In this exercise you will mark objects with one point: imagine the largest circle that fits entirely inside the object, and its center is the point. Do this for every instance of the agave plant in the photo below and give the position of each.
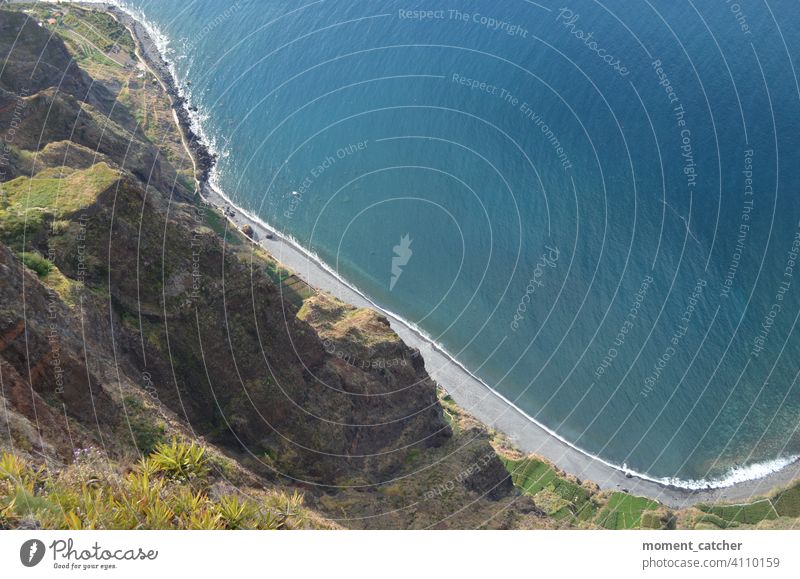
(12, 467)
(8, 516)
(158, 515)
(158, 493)
(141, 492)
(235, 513)
(290, 509)
(185, 501)
(72, 522)
(180, 460)
(205, 519)
(269, 521)
(18, 472)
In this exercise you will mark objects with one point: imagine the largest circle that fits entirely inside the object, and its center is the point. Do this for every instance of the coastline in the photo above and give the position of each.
(147, 50)
(468, 391)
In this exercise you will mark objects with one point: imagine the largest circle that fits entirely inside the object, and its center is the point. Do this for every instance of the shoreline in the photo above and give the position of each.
(472, 394)
(147, 51)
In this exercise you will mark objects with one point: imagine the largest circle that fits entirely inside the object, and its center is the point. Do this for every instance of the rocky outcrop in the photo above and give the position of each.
(42, 352)
(50, 116)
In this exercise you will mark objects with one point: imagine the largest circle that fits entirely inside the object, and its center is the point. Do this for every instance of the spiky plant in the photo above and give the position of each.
(205, 519)
(185, 501)
(235, 513)
(18, 472)
(290, 509)
(158, 515)
(269, 521)
(165, 490)
(180, 460)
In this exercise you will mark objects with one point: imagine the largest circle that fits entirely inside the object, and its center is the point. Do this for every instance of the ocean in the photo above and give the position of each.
(592, 206)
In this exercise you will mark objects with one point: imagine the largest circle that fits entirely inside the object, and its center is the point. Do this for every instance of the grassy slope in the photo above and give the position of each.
(31, 204)
(54, 192)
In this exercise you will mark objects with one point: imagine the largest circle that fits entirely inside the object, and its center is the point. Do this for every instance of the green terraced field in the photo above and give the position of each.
(563, 499)
(787, 503)
(748, 514)
(624, 511)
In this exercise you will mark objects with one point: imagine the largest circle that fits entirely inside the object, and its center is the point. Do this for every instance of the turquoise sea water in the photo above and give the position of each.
(599, 200)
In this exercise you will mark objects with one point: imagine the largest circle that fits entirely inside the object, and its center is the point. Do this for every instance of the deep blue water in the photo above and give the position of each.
(604, 173)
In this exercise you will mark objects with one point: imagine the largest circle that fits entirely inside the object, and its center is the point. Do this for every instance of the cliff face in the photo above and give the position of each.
(224, 348)
(36, 62)
(118, 285)
(46, 98)
(46, 380)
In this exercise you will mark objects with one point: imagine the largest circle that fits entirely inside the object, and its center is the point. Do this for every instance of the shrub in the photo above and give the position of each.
(147, 433)
(235, 513)
(36, 263)
(180, 460)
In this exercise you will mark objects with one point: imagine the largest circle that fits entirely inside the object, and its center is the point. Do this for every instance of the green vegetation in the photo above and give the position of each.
(100, 29)
(219, 225)
(411, 456)
(55, 193)
(105, 49)
(624, 511)
(530, 475)
(169, 489)
(92, 36)
(712, 522)
(787, 502)
(277, 272)
(179, 460)
(658, 519)
(748, 514)
(147, 433)
(36, 263)
(784, 503)
(450, 409)
(560, 497)
(62, 285)
(293, 289)
(565, 499)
